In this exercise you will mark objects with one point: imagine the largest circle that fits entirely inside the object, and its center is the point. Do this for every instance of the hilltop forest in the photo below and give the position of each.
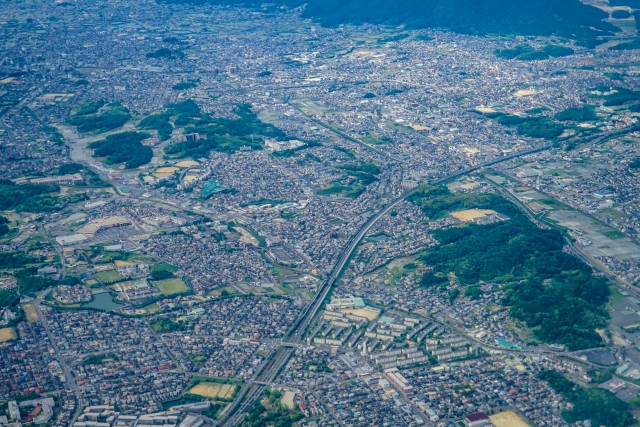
(567, 18)
(553, 292)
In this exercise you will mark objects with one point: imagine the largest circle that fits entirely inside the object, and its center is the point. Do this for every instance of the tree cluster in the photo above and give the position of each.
(189, 84)
(123, 147)
(30, 284)
(617, 95)
(598, 405)
(532, 126)
(5, 297)
(585, 113)
(161, 275)
(88, 108)
(158, 122)
(277, 415)
(113, 118)
(4, 225)
(164, 325)
(364, 172)
(166, 53)
(27, 197)
(14, 259)
(524, 52)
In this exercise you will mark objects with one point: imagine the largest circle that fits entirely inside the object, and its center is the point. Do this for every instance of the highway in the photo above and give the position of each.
(297, 332)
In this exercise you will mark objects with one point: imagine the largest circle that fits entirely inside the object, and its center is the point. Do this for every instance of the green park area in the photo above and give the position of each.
(108, 276)
(536, 126)
(271, 411)
(219, 134)
(164, 325)
(164, 267)
(171, 286)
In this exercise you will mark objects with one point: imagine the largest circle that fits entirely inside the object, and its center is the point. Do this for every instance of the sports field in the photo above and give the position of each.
(288, 399)
(108, 276)
(213, 390)
(508, 419)
(362, 312)
(525, 92)
(7, 334)
(170, 286)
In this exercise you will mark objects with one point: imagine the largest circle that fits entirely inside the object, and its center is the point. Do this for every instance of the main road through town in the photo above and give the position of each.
(253, 389)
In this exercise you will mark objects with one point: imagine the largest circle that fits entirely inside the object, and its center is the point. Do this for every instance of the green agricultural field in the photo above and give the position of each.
(109, 276)
(554, 204)
(171, 286)
(614, 234)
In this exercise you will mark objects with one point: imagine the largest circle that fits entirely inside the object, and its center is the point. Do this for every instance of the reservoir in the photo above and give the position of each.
(103, 301)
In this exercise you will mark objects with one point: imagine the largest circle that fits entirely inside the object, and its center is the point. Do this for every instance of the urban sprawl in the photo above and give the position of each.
(215, 215)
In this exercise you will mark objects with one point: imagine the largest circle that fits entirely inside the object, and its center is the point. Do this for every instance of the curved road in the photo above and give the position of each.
(298, 330)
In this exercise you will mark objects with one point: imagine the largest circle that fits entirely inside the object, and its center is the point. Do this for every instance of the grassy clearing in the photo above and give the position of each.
(109, 276)
(164, 267)
(171, 286)
(137, 258)
(152, 308)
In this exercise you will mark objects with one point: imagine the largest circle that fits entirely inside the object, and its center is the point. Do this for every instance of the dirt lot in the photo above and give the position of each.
(7, 334)
(206, 389)
(213, 390)
(471, 214)
(508, 419)
(30, 312)
(362, 312)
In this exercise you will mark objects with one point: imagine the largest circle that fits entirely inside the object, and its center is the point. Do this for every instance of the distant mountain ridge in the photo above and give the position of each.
(565, 18)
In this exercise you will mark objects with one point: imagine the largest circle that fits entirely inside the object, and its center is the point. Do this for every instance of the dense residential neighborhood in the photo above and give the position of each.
(225, 215)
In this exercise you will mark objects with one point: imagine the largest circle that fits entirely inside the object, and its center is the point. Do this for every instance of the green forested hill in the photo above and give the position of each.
(553, 292)
(567, 18)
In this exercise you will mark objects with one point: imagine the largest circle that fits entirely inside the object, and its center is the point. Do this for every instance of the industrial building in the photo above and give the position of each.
(101, 224)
